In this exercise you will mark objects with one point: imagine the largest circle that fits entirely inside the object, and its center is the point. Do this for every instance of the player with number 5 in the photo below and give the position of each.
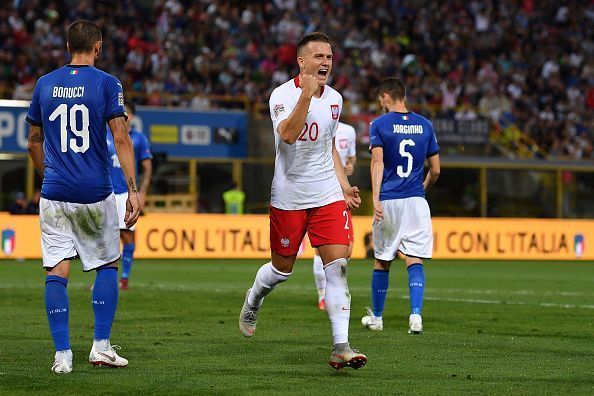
(78, 213)
(400, 142)
(310, 193)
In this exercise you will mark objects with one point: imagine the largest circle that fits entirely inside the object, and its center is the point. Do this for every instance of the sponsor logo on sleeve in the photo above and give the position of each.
(278, 109)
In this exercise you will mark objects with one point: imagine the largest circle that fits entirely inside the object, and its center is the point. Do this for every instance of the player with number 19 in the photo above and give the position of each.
(78, 213)
(400, 143)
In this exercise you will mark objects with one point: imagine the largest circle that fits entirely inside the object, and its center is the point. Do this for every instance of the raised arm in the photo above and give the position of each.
(290, 129)
(35, 147)
(125, 151)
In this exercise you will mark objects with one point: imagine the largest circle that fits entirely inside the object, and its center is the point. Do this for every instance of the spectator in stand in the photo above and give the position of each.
(19, 205)
(33, 204)
(532, 55)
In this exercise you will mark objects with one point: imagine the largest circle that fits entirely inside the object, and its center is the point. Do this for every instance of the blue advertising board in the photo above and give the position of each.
(176, 132)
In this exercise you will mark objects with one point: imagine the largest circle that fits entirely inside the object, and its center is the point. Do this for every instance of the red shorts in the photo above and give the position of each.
(326, 225)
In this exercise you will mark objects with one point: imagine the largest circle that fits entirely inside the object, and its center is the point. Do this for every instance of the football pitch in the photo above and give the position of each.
(491, 327)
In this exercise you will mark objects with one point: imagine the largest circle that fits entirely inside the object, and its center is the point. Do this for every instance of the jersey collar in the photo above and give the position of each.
(296, 81)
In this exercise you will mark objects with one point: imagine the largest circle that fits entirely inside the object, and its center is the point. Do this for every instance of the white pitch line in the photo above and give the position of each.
(499, 302)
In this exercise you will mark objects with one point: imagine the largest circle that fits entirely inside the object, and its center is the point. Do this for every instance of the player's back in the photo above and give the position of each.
(345, 141)
(407, 140)
(72, 104)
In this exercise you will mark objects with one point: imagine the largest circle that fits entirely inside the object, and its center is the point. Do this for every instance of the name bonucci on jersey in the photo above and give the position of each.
(304, 175)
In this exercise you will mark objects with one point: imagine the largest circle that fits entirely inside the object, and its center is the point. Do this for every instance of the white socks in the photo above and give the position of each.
(266, 279)
(338, 300)
(101, 345)
(65, 354)
(320, 276)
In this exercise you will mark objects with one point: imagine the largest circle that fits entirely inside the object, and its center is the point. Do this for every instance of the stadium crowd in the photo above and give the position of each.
(522, 63)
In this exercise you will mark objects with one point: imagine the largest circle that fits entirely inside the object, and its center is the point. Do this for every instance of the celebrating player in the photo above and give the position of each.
(78, 211)
(310, 193)
(346, 145)
(142, 154)
(401, 216)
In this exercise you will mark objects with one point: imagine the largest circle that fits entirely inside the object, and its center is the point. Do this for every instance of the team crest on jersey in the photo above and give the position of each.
(344, 144)
(335, 112)
(285, 242)
(278, 109)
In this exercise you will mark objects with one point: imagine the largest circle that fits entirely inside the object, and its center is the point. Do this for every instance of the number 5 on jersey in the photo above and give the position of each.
(68, 120)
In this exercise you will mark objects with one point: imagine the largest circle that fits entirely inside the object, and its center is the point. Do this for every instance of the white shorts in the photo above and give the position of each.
(121, 202)
(406, 227)
(89, 231)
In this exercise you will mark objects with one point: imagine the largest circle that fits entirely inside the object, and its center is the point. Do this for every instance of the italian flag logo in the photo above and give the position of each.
(405, 117)
(73, 72)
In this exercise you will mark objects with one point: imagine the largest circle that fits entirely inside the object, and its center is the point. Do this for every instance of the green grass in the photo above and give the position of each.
(490, 328)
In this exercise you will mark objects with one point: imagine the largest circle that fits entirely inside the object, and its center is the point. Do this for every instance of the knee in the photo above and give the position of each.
(382, 265)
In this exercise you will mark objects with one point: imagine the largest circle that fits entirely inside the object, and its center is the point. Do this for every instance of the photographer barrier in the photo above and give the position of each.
(169, 236)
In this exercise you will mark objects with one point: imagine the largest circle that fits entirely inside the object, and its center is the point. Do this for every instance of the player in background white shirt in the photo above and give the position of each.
(345, 142)
(310, 193)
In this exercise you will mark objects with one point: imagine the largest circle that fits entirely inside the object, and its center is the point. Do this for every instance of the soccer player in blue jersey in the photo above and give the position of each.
(142, 154)
(400, 142)
(78, 213)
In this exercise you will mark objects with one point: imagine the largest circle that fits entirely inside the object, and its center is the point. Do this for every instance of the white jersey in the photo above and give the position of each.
(304, 175)
(345, 141)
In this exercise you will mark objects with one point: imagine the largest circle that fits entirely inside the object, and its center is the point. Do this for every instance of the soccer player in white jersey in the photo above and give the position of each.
(310, 193)
(78, 213)
(346, 145)
(400, 143)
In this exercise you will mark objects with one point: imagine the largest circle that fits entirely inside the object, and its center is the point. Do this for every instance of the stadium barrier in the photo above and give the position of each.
(165, 236)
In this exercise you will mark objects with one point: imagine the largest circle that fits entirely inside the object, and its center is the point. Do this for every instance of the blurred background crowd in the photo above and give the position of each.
(524, 63)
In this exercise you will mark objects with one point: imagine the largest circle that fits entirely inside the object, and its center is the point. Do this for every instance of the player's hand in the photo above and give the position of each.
(352, 198)
(349, 168)
(378, 211)
(309, 85)
(132, 209)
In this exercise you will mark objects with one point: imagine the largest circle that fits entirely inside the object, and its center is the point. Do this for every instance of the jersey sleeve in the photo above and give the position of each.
(34, 114)
(375, 139)
(114, 99)
(336, 120)
(143, 150)
(432, 147)
(281, 107)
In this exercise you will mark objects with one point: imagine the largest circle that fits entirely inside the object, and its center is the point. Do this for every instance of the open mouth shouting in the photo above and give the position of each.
(323, 72)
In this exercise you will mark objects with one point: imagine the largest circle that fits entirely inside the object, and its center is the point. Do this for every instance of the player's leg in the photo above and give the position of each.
(320, 278)
(97, 240)
(417, 245)
(57, 309)
(128, 240)
(287, 229)
(386, 239)
(416, 287)
(327, 229)
(127, 237)
(57, 248)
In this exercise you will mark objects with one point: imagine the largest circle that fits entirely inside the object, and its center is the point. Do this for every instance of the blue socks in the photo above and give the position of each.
(105, 301)
(416, 285)
(56, 306)
(127, 257)
(379, 288)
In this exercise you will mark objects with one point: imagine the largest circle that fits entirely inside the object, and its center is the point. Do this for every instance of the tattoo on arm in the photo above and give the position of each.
(131, 185)
(36, 134)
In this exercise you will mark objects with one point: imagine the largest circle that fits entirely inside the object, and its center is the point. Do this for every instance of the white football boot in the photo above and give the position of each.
(107, 357)
(345, 356)
(62, 362)
(415, 324)
(372, 322)
(247, 318)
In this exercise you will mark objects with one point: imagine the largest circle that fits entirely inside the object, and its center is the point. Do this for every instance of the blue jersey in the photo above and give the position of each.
(72, 105)
(142, 151)
(407, 140)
